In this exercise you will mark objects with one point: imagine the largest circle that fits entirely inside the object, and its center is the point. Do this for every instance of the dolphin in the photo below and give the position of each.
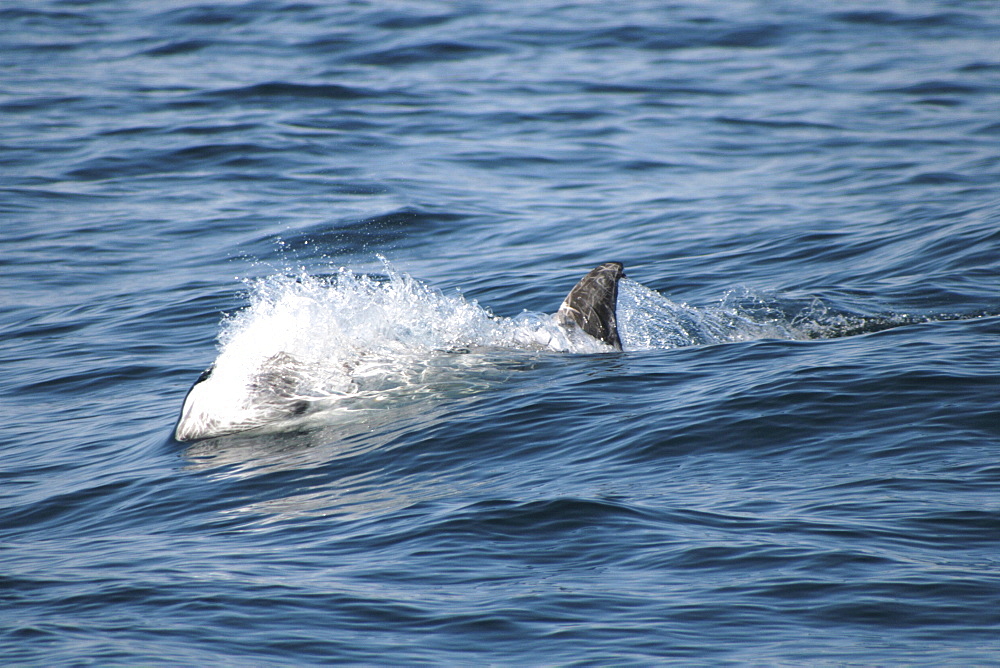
(590, 307)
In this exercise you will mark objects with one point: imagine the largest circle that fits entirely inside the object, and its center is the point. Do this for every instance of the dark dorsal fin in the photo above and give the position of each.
(592, 303)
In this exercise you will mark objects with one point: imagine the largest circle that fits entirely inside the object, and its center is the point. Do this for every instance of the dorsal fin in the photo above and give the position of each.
(592, 303)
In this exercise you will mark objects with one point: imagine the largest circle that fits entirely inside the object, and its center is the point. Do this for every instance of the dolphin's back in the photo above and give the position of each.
(592, 303)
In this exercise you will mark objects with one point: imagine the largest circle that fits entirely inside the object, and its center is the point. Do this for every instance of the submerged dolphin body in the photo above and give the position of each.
(590, 307)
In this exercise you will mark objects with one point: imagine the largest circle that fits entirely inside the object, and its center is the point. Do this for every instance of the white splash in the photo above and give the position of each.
(306, 341)
(648, 320)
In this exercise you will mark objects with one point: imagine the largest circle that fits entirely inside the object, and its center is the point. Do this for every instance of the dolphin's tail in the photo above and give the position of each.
(592, 303)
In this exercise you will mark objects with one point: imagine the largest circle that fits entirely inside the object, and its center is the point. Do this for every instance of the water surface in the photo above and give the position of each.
(793, 461)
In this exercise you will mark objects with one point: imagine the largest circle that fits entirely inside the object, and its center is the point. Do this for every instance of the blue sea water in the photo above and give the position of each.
(795, 460)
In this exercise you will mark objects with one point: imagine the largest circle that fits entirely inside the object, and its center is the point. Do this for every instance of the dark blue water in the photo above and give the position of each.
(795, 460)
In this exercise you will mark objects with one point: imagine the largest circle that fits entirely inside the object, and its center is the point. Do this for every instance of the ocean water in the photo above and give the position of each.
(795, 460)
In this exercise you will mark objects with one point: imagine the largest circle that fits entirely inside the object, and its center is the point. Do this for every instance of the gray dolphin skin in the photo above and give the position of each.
(592, 304)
